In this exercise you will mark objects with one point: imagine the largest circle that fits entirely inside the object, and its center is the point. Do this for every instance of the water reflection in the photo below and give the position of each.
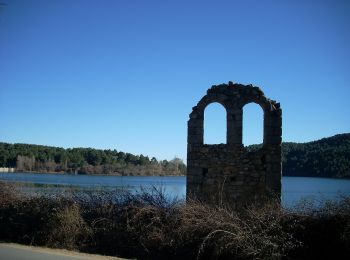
(293, 188)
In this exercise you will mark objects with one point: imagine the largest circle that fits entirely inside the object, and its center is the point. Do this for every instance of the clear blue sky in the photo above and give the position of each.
(125, 74)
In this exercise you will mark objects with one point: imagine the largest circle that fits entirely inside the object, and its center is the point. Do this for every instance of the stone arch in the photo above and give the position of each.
(205, 124)
(240, 175)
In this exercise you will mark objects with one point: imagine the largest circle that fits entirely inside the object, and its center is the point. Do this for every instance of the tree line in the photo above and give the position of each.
(327, 157)
(39, 158)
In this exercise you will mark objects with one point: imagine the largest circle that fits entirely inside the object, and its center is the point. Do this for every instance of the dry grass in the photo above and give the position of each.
(66, 228)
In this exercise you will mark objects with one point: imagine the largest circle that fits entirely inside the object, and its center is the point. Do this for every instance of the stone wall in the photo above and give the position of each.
(229, 173)
(5, 169)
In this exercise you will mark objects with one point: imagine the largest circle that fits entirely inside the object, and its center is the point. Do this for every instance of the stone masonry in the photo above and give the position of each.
(229, 173)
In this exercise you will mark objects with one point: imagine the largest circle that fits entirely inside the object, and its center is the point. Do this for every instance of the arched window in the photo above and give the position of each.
(215, 124)
(253, 124)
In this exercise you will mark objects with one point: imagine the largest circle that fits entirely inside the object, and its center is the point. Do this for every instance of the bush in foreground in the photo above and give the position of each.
(148, 225)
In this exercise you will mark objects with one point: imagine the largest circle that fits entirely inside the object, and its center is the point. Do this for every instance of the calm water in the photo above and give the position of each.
(293, 188)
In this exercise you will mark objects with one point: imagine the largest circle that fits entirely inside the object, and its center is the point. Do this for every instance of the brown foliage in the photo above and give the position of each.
(150, 226)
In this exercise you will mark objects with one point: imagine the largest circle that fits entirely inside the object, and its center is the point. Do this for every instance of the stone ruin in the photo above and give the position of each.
(230, 173)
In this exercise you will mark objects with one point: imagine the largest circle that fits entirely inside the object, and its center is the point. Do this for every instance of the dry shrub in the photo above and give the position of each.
(142, 219)
(197, 230)
(24, 220)
(150, 226)
(109, 232)
(66, 228)
(252, 233)
(323, 230)
(8, 193)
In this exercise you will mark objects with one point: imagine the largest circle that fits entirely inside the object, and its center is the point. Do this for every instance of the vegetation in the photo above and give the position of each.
(150, 226)
(328, 157)
(38, 158)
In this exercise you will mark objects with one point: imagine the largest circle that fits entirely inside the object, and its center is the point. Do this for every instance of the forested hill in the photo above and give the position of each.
(38, 158)
(327, 157)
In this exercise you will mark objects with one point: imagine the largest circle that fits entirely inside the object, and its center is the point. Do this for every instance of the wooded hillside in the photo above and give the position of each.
(29, 157)
(327, 157)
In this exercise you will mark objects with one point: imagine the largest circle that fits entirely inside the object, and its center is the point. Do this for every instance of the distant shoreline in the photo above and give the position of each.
(89, 174)
(327, 158)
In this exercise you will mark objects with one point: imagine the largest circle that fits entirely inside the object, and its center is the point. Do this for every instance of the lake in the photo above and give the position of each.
(293, 188)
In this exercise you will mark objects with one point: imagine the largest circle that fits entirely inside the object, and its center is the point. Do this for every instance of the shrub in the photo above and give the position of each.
(66, 228)
(148, 225)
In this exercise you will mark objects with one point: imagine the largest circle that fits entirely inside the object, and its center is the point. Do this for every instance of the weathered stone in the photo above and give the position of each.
(228, 172)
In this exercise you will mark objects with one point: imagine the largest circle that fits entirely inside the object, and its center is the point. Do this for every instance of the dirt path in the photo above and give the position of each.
(20, 252)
